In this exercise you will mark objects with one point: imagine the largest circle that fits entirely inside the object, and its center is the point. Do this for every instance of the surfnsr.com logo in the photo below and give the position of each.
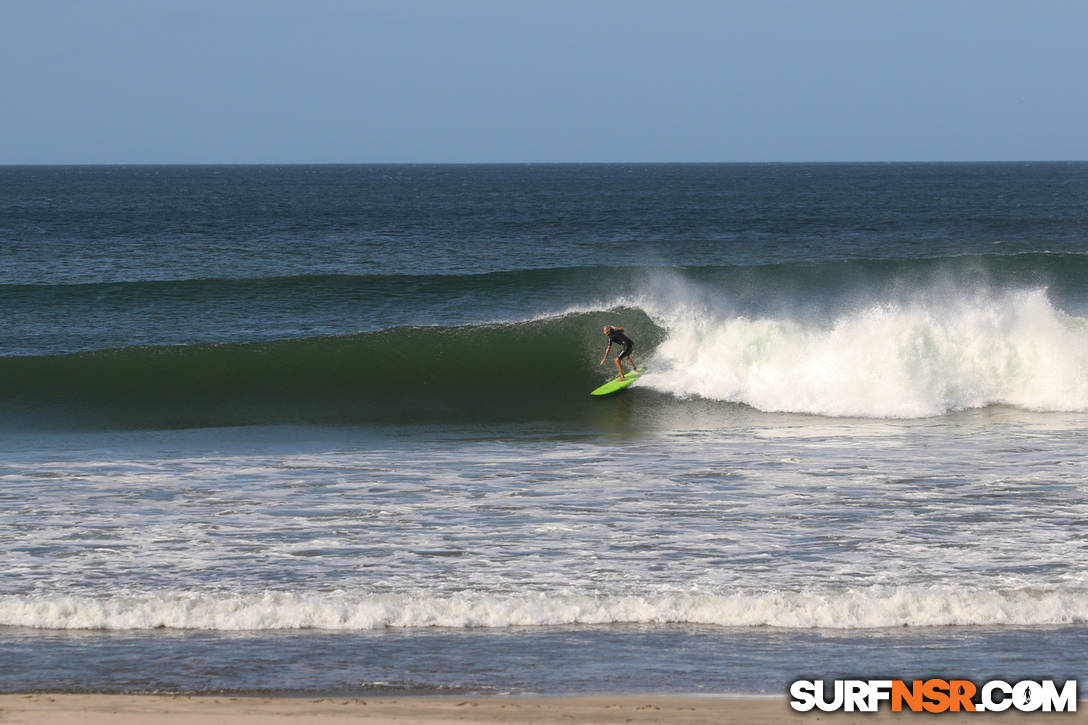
(934, 695)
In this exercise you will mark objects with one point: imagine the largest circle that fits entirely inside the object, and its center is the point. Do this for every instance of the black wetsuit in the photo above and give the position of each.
(617, 337)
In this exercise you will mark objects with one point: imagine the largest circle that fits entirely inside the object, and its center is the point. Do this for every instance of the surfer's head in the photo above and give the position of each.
(606, 329)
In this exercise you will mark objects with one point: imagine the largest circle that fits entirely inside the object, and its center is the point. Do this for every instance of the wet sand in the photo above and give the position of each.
(47, 709)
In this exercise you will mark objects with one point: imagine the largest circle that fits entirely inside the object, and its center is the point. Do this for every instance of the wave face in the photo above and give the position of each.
(496, 372)
(853, 608)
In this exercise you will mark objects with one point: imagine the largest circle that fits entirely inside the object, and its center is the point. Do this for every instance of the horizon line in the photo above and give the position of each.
(527, 163)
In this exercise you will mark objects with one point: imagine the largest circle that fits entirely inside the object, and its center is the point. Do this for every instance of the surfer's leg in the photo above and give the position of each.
(619, 366)
(626, 355)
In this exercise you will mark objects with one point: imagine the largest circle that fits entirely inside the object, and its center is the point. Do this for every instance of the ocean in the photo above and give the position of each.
(326, 429)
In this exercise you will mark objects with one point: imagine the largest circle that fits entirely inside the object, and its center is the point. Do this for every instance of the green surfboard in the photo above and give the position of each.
(615, 384)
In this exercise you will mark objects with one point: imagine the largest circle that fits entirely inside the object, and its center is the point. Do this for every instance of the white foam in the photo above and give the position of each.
(936, 353)
(850, 608)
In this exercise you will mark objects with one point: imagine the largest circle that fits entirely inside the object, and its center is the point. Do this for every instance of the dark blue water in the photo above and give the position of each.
(109, 224)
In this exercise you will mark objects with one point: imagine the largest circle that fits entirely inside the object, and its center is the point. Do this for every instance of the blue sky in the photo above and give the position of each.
(336, 81)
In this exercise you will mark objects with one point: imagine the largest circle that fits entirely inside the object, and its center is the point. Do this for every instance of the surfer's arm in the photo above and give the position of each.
(606, 351)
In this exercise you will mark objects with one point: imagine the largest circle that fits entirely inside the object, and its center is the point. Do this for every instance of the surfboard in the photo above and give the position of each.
(615, 385)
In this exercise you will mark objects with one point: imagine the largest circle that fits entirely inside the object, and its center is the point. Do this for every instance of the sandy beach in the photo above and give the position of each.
(46, 709)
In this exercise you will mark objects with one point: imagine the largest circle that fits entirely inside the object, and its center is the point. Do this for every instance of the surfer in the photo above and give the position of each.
(615, 334)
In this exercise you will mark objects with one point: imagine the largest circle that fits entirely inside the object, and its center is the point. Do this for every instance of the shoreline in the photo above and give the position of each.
(102, 709)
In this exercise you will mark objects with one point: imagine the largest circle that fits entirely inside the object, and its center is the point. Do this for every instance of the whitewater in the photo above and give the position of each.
(962, 519)
(875, 608)
(939, 352)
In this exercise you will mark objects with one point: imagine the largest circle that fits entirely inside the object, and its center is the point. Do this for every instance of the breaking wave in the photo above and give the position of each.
(863, 338)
